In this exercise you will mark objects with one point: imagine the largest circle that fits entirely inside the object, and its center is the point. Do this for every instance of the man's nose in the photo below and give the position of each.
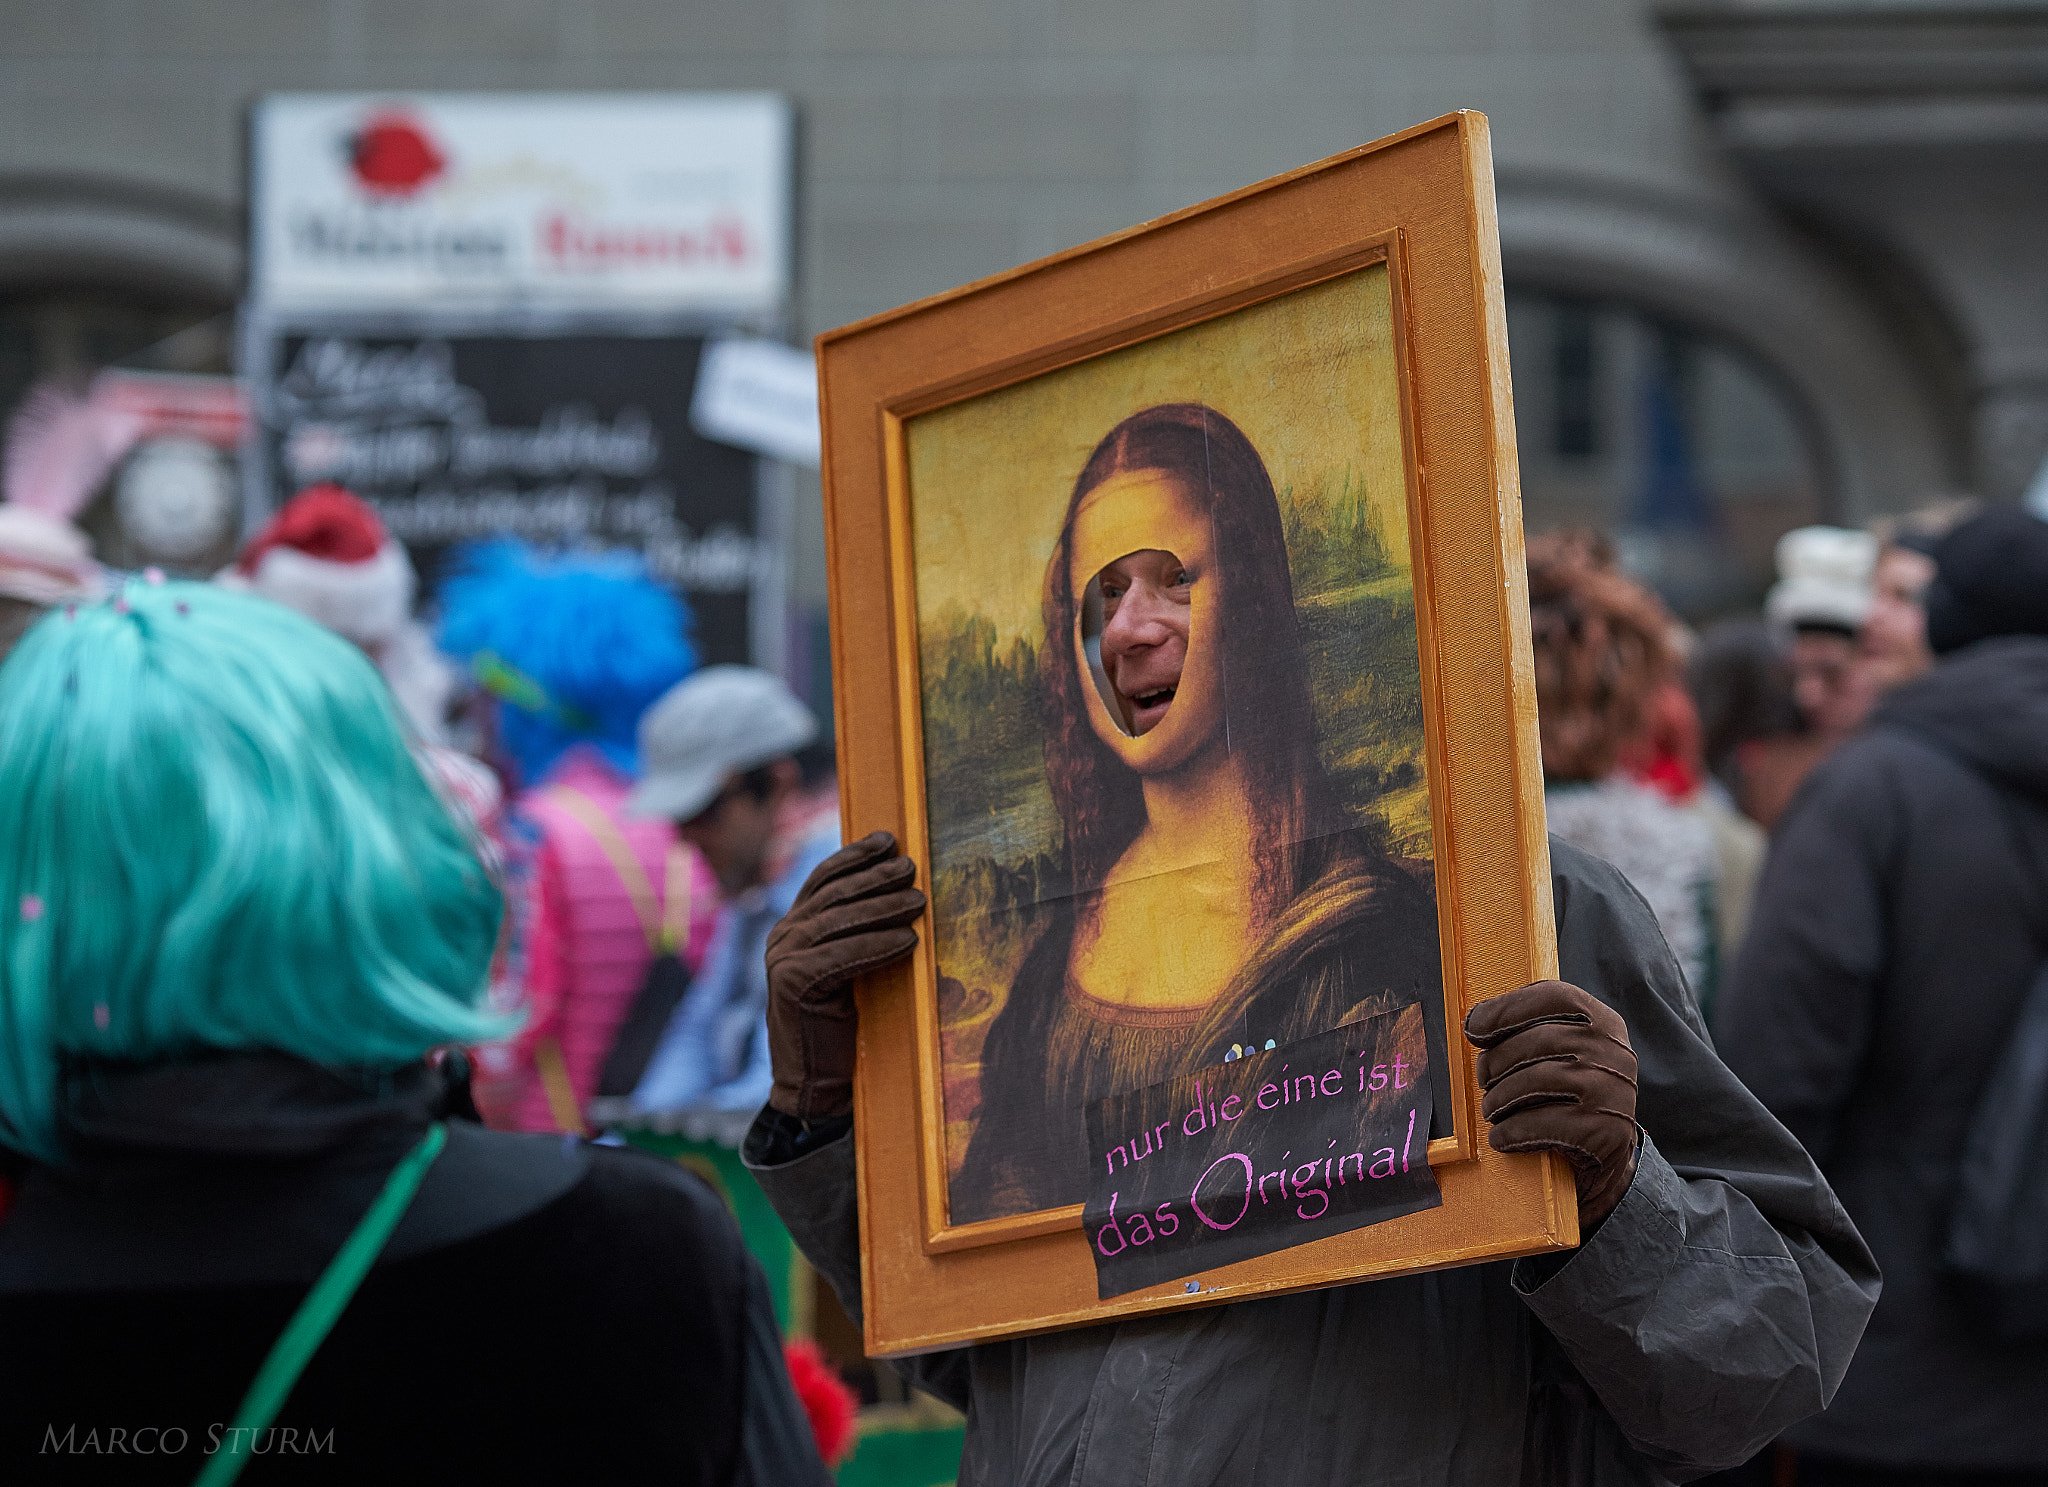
(1139, 620)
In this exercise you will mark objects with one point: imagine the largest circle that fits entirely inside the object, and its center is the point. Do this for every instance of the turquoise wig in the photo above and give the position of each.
(214, 836)
(574, 647)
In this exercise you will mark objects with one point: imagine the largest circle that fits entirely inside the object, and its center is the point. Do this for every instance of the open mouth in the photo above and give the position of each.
(1147, 708)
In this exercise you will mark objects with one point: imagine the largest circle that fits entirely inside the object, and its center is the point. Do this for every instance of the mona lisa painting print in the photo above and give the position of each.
(1178, 639)
(1175, 769)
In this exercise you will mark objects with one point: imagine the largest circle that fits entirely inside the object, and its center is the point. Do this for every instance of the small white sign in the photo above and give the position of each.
(760, 395)
(635, 201)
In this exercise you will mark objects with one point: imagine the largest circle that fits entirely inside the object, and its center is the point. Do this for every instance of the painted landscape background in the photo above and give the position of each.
(1311, 380)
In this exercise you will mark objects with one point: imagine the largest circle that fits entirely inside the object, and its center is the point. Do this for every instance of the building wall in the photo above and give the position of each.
(944, 139)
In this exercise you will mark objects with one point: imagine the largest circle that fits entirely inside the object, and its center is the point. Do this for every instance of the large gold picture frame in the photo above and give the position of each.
(1415, 212)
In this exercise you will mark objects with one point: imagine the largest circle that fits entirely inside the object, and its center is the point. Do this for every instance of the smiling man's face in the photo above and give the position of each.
(1142, 561)
(1145, 623)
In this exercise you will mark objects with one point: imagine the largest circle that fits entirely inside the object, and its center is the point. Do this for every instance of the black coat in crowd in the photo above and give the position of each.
(1899, 921)
(546, 1311)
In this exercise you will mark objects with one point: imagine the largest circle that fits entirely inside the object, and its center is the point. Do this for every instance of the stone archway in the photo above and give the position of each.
(65, 233)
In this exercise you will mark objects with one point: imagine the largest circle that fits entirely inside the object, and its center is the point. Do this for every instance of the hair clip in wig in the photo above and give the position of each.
(152, 575)
(508, 683)
(101, 1016)
(31, 907)
(121, 605)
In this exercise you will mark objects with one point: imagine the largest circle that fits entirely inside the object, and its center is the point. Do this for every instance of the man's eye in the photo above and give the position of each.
(1182, 578)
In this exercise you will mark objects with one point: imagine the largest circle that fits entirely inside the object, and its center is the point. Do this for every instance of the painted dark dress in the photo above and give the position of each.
(1362, 940)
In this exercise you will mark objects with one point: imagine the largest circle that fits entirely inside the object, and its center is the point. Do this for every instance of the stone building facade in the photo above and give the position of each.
(1767, 265)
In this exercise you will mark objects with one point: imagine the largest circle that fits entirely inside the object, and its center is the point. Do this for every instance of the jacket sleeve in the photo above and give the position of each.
(1795, 1021)
(1722, 1299)
(816, 1198)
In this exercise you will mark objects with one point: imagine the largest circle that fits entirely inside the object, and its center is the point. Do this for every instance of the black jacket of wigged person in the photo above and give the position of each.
(546, 1311)
(1900, 919)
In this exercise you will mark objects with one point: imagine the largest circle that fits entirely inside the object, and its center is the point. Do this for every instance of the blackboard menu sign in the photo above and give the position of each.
(567, 441)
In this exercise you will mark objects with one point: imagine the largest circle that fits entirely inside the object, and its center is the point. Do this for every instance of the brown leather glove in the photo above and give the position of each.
(1558, 1075)
(851, 915)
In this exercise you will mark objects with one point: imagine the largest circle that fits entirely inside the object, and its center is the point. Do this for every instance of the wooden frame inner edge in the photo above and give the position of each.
(939, 1234)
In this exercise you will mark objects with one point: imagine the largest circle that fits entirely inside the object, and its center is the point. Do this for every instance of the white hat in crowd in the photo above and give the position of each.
(1823, 579)
(723, 721)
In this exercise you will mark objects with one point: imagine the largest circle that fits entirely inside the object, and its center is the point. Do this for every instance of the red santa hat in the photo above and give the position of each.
(326, 555)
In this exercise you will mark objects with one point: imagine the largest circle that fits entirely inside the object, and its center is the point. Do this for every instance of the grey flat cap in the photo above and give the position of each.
(723, 721)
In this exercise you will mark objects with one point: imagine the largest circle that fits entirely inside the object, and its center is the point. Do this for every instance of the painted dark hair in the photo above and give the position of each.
(1270, 722)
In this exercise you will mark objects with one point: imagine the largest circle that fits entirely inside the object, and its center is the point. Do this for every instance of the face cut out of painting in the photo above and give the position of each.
(1137, 615)
(1142, 562)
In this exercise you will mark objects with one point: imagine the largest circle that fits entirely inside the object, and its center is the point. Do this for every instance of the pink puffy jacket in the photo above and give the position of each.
(586, 951)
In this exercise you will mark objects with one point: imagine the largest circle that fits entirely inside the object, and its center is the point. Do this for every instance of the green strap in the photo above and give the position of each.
(321, 1309)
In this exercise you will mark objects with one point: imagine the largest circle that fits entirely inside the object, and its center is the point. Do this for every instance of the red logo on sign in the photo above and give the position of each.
(392, 155)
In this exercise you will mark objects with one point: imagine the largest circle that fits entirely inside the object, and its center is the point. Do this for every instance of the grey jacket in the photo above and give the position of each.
(1717, 1304)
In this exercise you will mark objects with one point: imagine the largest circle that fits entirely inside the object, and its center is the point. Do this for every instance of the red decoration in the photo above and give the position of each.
(1668, 754)
(826, 1399)
(321, 521)
(393, 156)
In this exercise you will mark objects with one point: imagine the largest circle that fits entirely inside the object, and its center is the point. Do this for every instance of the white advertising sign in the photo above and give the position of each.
(759, 395)
(481, 201)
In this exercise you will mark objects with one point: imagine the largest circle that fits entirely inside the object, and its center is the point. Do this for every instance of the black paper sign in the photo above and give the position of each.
(1321, 1137)
(568, 441)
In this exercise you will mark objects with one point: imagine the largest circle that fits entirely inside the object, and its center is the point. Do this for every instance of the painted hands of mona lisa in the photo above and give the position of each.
(852, 914)
(1558, 1075)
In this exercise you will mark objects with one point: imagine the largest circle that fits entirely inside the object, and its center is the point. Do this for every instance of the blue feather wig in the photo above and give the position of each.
(575, 647)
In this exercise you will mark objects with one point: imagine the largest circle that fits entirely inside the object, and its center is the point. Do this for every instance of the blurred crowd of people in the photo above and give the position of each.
(631, 854)
(1836, 813)
(1672, 752)
(640, 822)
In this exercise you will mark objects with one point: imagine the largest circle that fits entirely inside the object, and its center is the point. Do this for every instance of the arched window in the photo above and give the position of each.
(1680, 445)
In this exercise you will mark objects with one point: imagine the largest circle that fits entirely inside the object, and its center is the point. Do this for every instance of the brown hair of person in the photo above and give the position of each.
(1603, 647)
(1268, 715)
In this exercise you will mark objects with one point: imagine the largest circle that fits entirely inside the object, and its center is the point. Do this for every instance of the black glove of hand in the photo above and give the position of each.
(1558, 1075)
(852, 914)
